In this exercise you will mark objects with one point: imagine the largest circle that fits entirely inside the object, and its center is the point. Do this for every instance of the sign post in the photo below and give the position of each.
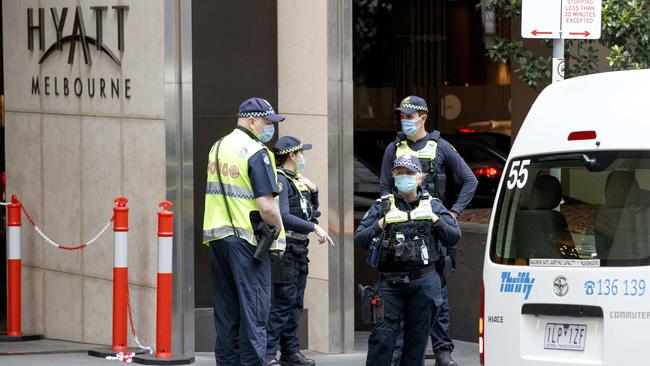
(560, 20)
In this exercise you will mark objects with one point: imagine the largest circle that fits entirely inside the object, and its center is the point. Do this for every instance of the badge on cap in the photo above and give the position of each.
(406, 100)
(406, 157)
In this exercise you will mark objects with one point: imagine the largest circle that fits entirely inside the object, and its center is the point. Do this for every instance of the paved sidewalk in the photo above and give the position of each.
(61, 353)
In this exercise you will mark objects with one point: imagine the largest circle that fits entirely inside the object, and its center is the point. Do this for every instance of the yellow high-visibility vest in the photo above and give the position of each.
(422, 212)
(427, 152)
(234, 152)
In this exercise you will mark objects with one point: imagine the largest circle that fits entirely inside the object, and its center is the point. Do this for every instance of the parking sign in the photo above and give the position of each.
(569, 19)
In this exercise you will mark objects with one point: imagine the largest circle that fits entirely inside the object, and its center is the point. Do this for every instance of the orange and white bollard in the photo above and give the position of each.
(13, 267)
(163, 354)
(120, 273)
(120, 282)
(14, 332)
(164, 292)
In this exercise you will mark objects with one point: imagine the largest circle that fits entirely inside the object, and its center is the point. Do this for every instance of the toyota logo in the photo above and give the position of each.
(560, 286)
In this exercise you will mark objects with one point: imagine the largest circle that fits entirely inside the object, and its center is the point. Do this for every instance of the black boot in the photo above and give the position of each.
(443, 358)
(271, 361)
(296, 359)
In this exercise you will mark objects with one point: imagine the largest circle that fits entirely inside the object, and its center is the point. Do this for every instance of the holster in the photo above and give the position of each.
(445, 266)
(265, 236)
(297, 250)
(283, 270)
(437, 188)
(372, 306)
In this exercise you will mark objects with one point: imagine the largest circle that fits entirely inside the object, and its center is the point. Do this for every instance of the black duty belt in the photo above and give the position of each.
(406, 277)
(296, 236)
(298, 250)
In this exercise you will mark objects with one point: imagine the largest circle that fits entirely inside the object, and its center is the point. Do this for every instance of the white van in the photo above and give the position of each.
(566, 277)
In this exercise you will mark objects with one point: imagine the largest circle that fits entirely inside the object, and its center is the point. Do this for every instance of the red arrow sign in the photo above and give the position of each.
(585, 33)
(536, 32)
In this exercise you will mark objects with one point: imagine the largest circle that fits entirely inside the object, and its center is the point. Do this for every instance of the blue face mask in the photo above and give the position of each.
(409, 126)
(267, 134)
(405, 183)
(300, 165)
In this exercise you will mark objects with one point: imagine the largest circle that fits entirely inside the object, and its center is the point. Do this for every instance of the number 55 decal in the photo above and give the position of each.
(518, 174)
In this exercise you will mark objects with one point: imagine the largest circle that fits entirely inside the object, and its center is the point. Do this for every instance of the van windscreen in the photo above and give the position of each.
(591, 205)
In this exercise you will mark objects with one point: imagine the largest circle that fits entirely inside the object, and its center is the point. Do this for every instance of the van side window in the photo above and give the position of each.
(569, 209)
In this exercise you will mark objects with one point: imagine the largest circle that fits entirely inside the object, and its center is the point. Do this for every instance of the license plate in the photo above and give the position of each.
(565, 336)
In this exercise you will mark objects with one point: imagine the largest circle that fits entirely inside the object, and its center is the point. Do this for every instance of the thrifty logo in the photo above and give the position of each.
(522, 283)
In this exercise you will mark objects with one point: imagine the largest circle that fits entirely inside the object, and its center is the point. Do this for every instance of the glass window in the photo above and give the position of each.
(364, 174)
(592, 205)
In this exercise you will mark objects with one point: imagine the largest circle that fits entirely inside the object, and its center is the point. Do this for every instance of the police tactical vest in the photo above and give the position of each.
(413, 231)
(234, 152)
(299, 204)
(422, 212)
(428, 152)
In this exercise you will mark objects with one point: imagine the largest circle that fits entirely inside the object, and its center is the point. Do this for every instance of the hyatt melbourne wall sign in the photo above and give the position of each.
(42, 21)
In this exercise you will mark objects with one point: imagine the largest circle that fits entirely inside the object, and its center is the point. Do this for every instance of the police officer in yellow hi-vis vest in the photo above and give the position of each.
(403, 232)
(242, 227)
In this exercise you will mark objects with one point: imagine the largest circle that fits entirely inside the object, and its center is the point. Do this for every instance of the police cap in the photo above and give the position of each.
(258, 107)
(289, 144)
(412, 104)
(409, 162)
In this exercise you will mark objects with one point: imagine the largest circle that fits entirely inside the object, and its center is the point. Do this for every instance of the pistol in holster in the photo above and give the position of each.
(372, 306)
(446, 265)
(438, 181)
(265, 236)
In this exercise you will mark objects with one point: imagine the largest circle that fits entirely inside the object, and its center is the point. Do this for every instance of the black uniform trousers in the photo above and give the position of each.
(415, 303)
(287, 303)
(241, 293)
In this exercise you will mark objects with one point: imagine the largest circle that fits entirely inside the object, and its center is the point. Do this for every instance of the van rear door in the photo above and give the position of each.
(568, 263)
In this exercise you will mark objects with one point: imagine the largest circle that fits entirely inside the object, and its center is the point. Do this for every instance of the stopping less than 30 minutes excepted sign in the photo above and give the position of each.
(569, 19)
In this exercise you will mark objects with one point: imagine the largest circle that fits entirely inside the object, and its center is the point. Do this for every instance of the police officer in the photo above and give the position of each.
(299, 210)
(240, 212)
(436, 156)
(402, 231)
